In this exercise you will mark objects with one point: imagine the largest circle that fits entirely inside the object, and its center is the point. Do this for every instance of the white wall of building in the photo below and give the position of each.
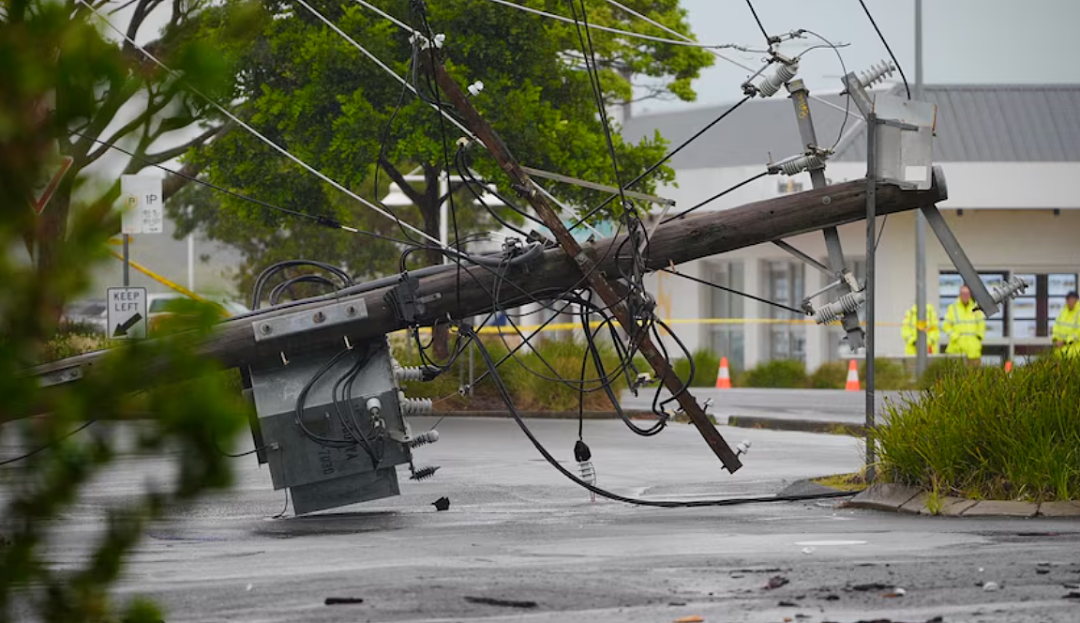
(1014, 229)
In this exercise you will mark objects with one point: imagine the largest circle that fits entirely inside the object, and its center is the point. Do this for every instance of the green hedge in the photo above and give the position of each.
(522, 376)
(778, 373)
(985, 433)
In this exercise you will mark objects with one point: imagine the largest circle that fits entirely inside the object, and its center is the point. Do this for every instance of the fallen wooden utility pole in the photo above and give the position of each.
(237, 341)
(586, 264)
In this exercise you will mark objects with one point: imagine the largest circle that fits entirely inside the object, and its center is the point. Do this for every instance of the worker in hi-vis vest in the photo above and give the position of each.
(910, 332)
(965, 325)
(1067, 327)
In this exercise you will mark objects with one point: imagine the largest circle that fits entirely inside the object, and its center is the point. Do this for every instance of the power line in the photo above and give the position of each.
(718, 55)
(888, 49)
(378, 62)
(764, 33)
(46, 446)
(717, 196)
(671, 154)
(734, 291)
(843, 68)
(627, 33)
(325, 221)
(253, 131)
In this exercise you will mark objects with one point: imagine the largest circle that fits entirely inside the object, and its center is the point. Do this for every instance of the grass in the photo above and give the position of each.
(982, 433)
(855, 481)
(530, 392)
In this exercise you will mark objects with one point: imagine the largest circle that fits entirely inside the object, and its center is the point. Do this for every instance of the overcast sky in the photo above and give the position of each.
(964, 41)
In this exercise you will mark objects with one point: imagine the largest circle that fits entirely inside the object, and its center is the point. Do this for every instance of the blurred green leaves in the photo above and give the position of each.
(49, 61)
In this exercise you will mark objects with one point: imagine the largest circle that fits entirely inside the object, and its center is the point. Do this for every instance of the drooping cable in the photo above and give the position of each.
(326, 221)
(671, 154)
(625, 33)
(734, 291)
(281, 150)
(843, 69)
(508, 400)
(45, 447)
(716, 196)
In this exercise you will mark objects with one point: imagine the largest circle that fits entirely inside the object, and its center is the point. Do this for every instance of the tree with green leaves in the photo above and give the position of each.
(313, 92)
(190, 420)
(135, 103)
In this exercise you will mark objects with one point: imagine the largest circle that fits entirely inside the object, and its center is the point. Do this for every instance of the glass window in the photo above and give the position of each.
(727, 339)
(785, 283)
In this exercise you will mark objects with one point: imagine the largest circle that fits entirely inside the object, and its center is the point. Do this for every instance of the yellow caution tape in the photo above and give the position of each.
(158, 278)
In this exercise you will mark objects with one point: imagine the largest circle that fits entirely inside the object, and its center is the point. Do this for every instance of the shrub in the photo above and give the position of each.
(778, 373)
(985, 433)
(523, 376)
(888, 374)
(830, 375)
(941, 368)
(706, 368)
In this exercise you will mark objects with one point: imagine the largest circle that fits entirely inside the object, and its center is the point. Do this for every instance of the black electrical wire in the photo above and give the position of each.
(843, 69)
(888, 49)
(269, 272)
(716, 196)
(671, 154)
(46, 446)
(736, 292)
(598, 93)
(764, 33)
(508, 400)
(325, 221)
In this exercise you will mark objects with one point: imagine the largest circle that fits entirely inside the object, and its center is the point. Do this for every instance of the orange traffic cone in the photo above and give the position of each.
(723, 376)
(1008, 367)
(852, 377)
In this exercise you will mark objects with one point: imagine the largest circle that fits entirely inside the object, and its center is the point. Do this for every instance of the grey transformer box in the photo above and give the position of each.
(330, 424)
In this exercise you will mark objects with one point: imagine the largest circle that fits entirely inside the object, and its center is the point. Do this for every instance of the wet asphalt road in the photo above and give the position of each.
(518, 532)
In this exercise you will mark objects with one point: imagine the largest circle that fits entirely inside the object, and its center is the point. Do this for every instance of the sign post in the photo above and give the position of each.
(144, 211)
(127, 313)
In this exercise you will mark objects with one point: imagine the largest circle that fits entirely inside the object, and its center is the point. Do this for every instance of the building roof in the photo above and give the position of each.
(976, 123)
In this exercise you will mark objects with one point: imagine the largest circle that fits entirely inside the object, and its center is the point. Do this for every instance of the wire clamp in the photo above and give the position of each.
(402, 299)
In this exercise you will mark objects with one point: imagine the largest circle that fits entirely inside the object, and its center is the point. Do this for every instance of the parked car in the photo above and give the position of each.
(90, 314)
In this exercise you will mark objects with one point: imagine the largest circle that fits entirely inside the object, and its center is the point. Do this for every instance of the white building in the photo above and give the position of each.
(1011, 155)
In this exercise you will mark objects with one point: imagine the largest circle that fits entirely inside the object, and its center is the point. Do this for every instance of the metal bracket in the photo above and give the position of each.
(300, 322)
(960, 260)
(59, 377)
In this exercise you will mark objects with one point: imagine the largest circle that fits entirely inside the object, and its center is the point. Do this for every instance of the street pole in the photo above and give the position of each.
(191, 262)
(920, 226)
(871, 247)
(127, 261)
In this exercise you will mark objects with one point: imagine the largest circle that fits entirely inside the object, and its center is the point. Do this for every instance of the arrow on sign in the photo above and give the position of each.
(122, 329)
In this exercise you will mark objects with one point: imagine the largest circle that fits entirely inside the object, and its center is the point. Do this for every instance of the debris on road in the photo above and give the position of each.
(991, 586)
(690, 619)
(896, 592)
(870, 586)
(808, 550)
(1072, 595)
(441, 504)
(339, 601)
(506, 603)
(776, 581)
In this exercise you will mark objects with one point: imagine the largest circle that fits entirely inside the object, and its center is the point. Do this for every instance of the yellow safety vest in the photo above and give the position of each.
(966, 327)
(1067, 327)
(910, 331)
